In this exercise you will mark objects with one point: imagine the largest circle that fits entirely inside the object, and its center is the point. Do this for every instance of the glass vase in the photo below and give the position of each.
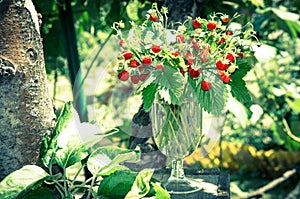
(177, 130)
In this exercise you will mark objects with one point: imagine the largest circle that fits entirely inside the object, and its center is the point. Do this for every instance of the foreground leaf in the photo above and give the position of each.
(21, 181)
(141, 184)
(106, 160)
(71, 139)
(40, 193)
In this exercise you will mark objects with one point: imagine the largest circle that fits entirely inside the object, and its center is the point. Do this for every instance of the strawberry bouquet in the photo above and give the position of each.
(180, 71)
(209, 55)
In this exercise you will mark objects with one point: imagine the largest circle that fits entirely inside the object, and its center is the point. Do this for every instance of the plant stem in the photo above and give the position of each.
(91, 187)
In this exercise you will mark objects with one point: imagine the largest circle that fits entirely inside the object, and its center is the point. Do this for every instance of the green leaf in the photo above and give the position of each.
(117, 185)
(40, 193)
(160, 192)
(106, 160)
(21, 181)
(71, 139)
(141, 185)
(170, 85)
(213, 101)
(148, 96)
(238, 87)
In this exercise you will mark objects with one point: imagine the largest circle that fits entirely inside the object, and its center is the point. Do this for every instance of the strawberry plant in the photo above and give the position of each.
(198, 49)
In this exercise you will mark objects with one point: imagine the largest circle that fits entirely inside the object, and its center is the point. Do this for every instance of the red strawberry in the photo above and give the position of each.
(196, 23)
(160, 67)
(175, 54)
(194, 73)
(222, 40)
(180, 38)
(206, 85)
(225, 78)
(153, 16)
(240, 55)
(189, 55)
(121, 42)
(127, 54)
(141, 69)
(143, 76)
(124, 75)
(147, 61)
(229, 33)
(211, 25)
(230, 57)
(182, 71)
(204, 56)
(135, 79)
(134, 63)
(225, 18)
(221, 66)
(155, 48)
(196, 45)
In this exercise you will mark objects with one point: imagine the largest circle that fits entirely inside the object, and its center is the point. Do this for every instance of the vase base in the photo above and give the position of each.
(182, 186)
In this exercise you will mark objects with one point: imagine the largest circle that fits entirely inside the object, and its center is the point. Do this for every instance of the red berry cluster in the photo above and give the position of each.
(200, 48)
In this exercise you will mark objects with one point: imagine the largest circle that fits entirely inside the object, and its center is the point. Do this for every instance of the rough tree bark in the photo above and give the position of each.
(26, 111)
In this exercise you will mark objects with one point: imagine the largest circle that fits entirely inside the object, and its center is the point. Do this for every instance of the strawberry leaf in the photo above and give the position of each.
(213, 101)
(239, 89)
(148, 96)
(170, 85)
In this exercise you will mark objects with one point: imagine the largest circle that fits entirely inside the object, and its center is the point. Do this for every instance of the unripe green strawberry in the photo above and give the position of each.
(206, 85)
(155, 48)
(124, 75)
(147, 61)
(232, 68)
(134, 63)
(211, 25)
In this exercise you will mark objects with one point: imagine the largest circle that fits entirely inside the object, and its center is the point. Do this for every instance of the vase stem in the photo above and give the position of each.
(177, 172)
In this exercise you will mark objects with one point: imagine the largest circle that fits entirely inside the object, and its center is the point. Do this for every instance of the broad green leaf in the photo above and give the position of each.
(106, 160)
(213, 101)
(71, 139)
(141, 184)
(148, 96)
(21, 181)
(117, 185)
(170, 85)
(40, 193)
(160, 192)
(239, 89)
(287, 21)
(152, 77)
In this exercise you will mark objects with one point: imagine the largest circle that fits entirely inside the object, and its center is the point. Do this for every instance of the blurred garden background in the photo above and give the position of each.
(259, 141)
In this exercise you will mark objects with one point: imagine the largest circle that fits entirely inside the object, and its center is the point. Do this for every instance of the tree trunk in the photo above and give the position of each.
(26, 111)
